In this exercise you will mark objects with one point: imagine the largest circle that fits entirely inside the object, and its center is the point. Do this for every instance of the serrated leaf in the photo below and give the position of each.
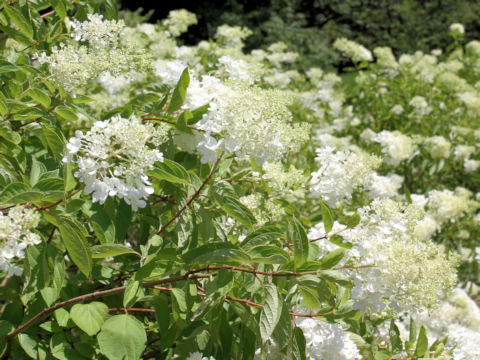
(215, 293)
(422, 343)
(271, 312)
(298, 345)
(395, 339)
(73, 236)
(353, 221)
(268, 255)
(327, 217)
(59, 7)
(40, 96)
(261, 236)
(170, 171)
(66, 113)
(283, 330)
(89, 317)
(110, 250)
(19, 193)
(332, 258)
(298, 237)
(20, 20)
(180, 92)
(236, 210)
(122, 337)
(216, 253)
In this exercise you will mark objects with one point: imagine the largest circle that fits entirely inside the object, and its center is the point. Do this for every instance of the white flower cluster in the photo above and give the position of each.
(15, 236)
(199, 356)
(113, 158)
(282, 181)
(327, 341)
(396, 146)
(457, 317)
(352, 50)
(402, 271)
(97, 32)
(457, 28)
(448, 205)
(251, 122)
(438, 147)
(178, 21)
(384, 186)
(340, 173)
(73, 65)
(232, 36)
(264, 210)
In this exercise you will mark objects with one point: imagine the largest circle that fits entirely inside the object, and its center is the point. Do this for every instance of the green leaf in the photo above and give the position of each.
(122, 337)
(40, 96)
(74, 237)
(268, 255)
(66, 113)
(133, 293)
(170, 171)
(298, 237)
(261, 236)
(180, 92)
(182, 121)
(299, 344)
(336, 276)
(332, 258)
(19, 193)
(271, 312)
(111, 9)
(54, 140)
(20, 20)
(215, 293)
(110, 250)
(89, 317)
(216, 253)
(353, 221)
(395, 339)
(383, 354)
(422, 343)
(283, 330)
(59, 7)
(6, 66)
(327, 217)
(236, 210)
(29, 345)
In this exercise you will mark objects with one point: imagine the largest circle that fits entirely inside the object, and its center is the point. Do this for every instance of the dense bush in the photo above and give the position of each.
(198, 202)
(309, 27)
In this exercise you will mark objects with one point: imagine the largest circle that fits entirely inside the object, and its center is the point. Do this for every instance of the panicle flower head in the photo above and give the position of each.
(178, 21)
(252, 123)
(384, 186)
(385, 58)
(99, 33)
(282, 181)
(74, 65)
(232, 36)
(340, 173)
(447, 205)
(457, 28)
(15, 236)
(406, 273)
(113, 158)
(396, 146)
(327, 341)
(438, 147)
(352, 50)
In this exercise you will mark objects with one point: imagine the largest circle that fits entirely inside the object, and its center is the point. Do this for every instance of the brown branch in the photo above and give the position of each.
(131, 309)
(58, 202)
(191, 199)
(95, 295)
(326, 236)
